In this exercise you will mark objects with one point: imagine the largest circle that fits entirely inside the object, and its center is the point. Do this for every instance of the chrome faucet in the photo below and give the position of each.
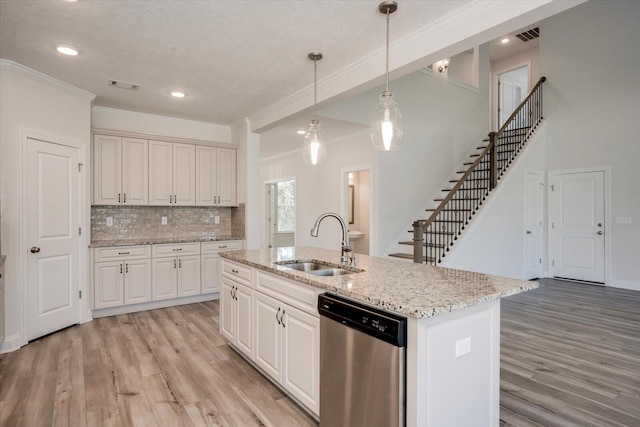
(345, 259)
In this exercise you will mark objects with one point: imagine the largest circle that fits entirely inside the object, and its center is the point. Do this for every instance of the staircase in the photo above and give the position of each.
(433, 237)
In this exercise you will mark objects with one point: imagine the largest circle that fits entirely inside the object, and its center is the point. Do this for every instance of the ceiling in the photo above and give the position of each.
(231, 58)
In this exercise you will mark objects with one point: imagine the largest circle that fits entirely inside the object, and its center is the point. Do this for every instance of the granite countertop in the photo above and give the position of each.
(409, 289)
(158, 240)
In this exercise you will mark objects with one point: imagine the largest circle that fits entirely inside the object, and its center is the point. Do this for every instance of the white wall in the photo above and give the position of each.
(592, 101)
(248, 183)
(130, 121)
(320, 188)
(31, 102)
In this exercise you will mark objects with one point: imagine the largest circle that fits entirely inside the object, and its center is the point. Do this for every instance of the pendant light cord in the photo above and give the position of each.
(387, 50)
(315, 88)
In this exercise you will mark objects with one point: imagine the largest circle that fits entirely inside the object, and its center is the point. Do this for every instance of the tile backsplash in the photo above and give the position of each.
(145, 222)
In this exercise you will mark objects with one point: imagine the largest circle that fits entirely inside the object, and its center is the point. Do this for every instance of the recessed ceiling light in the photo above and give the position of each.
(301, 132)
(177, 94)
(505, 40)
(67, 50)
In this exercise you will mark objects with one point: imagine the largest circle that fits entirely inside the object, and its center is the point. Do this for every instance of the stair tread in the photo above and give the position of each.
(407, 256)
(431, 245)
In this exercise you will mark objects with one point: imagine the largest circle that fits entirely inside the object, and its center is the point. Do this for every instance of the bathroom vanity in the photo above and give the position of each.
(453, 326)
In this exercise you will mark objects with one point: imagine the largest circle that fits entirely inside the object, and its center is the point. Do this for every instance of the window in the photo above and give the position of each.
(286, 203)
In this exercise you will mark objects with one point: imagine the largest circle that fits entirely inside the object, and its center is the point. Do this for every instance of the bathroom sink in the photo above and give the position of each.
(317, 268)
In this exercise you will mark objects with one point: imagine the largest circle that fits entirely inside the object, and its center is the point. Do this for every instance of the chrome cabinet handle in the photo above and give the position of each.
(118, 197)
(125, 198)
(222, 247)
(120, 268)
(278, 320)
(35, 249)
(174, 263)
(233, 270)
(180, 263)
(282, 319)
(177, 249)
(123, 253)
(126, 268)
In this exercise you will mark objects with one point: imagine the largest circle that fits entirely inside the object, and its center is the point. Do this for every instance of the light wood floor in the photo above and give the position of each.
(570, 356)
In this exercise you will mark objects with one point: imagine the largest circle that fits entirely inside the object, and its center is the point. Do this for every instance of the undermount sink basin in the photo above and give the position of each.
(317, 268)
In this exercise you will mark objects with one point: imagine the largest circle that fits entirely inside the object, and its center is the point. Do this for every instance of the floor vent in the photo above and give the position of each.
(531, 34)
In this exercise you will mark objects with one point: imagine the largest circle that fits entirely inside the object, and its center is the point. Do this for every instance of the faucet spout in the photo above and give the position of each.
(345, 258)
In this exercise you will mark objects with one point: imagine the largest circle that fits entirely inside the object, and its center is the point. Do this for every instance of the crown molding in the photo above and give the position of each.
(474, 24)
(43, 78)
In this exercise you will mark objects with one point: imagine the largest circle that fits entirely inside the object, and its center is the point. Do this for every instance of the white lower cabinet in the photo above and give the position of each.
(210, 263)
(176, 277)
(121, 276)
(287, 348)
(236, 315)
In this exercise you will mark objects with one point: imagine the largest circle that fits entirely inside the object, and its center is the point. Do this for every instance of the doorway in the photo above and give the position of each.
(533, 213)
(281, 213)
(577, 233)
(53, 237)
(513, 86)
(358, 210)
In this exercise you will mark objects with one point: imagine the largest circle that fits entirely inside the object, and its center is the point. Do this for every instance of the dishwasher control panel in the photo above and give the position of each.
(386, 326)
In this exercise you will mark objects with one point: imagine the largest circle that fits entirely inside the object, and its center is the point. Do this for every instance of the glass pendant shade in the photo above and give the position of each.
(387, 129)
(314, 149)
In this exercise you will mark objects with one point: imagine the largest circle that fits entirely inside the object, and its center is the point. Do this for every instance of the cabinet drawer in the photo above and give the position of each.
(175, 249)
(238, 272)
(227, 245)
(296, 294)
(122, 252)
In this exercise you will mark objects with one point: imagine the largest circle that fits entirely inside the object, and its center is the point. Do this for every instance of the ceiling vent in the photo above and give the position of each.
(531, 34)
(124, 85)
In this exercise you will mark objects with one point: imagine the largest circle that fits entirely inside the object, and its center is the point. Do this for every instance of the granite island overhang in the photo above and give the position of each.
(443, 306)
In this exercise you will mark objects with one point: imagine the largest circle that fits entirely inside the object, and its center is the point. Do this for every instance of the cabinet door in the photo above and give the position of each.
(160, 173)
(107, 170)
(244, 320)
(227, 309)
(206, 176)
(165, 278)
(227, 176)
(189, 276)
(137, 281)
(108, 284)
(268, 332)
(301, 356)
(135, 173)
(210, 270)
(184, 174)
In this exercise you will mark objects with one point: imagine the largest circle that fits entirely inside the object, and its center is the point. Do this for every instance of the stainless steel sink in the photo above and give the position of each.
(317, 268)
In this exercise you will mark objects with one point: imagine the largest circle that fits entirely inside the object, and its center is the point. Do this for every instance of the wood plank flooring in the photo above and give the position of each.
(570, 356)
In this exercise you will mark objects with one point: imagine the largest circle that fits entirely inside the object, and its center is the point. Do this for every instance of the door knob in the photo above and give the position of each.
(600, 233)
(599, 224)
(528, 231)
(35, 249)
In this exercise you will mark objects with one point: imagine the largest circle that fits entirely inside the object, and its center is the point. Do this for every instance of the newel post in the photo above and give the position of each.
(418, 242)
(493, 160)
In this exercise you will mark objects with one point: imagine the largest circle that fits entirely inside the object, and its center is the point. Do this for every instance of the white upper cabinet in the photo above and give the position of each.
(172, 174)
(120, 171)
(215, 176)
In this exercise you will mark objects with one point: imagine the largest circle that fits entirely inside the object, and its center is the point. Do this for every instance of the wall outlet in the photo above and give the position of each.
(463, 347)
(216, 219)
(109, 221)
(164, 220)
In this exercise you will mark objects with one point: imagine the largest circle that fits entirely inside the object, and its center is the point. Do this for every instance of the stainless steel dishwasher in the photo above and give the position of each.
(362, 365)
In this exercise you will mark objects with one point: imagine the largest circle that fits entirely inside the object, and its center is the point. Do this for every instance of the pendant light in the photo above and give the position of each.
(314, 148)
(386, 127)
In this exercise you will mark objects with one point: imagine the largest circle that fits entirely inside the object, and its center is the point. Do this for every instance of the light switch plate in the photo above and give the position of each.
(164, 220)
(463, 347)
(216, 219)
(109, 221)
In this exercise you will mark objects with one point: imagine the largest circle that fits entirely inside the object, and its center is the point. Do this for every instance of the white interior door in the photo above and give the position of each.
(533, 224)
(577, 225)
(52, 236)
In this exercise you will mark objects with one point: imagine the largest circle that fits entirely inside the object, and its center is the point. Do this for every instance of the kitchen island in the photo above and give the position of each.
(453, 327)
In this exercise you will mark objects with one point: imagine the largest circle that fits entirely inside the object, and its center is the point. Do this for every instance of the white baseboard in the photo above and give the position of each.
(11, 343)
(624, 284)
(123, 309)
